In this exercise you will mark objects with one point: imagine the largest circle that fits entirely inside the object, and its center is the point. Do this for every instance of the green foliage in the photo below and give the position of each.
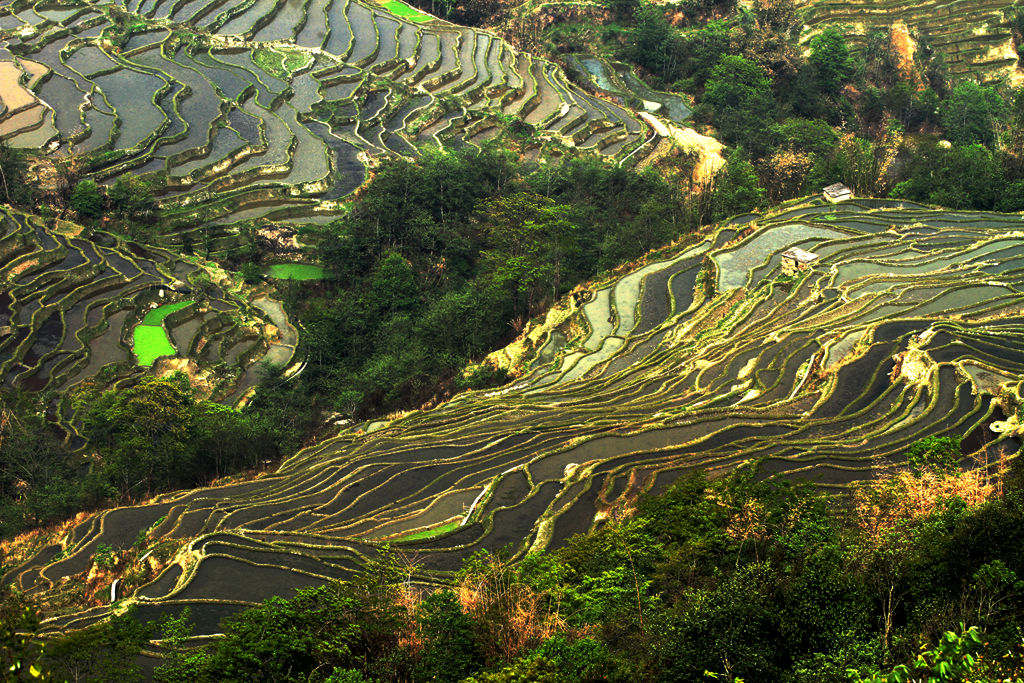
(482, 376)
(132, 199)
(970, 113)
(952, 659)
(959, 177)
(738, 101)
(737, 189)
(14, 184)
(251, 272)
(179, 661)
(281, 64)
(104, 556)
(20, 654)
(653, 44)
(938, 453)
(148, 437)
(831, 60)
(105, 652)
(38, 483)
(811, 136)
(623, 9)
(342, 631)
(443, 260)
(450, 651)
(87, 200)
(155, 435)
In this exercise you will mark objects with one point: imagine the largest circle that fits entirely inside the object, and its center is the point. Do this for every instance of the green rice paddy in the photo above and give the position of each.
(150, 342)
(157, 315)
(295, 271)
(403, 10)
(430, 533)
(149, 339)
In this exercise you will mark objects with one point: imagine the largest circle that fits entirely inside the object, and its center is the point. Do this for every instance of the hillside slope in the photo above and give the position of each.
(971, 37)
(87, 306)
(908, 325)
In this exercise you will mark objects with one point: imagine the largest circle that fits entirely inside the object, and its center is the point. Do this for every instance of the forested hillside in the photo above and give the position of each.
(356, 340)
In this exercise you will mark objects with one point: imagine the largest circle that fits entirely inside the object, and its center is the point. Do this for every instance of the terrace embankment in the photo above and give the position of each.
(907, 324)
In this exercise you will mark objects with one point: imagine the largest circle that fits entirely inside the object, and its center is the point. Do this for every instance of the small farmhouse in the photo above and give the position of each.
(837, 193)
(796, 259)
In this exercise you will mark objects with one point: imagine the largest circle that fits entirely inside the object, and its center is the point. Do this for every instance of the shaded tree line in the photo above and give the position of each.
(151, 437)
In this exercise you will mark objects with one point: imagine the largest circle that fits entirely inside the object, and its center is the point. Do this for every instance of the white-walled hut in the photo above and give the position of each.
(837, 193)
(796, 259)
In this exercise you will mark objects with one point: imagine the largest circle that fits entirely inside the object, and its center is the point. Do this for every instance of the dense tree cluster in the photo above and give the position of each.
(443, 260)
(129, 204)
(151, 437)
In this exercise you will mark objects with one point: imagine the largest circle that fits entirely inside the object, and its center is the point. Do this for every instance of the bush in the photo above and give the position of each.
(935, 453)
(87, 200)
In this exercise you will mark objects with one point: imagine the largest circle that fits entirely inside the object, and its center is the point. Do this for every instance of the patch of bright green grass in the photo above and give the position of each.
(430, 533)
(296, 271)
(278, 63)
(157, 315)
(403, 10)
(149, 342)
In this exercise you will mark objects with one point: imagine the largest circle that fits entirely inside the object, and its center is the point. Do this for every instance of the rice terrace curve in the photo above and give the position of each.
(906, 324)
(257, 110)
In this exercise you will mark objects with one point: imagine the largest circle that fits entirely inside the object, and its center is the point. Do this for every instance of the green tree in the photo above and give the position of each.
(623, 9)
(155, 435)
(654, 42)
(812, 136)
(105, 652)
(14, 181)
(702, 49)
(970, 114)
(952, 659)
(20, 652)
(131, 198)
(38, 483)
(450, 652)
(251, 272)
(830, 57)
(958, 177)
(739, 103)
(938, 453)
(736, 188)
(87, 200)
(343, 627)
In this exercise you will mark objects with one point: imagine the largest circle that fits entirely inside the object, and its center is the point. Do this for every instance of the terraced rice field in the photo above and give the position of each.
(910, 324)
(275, 109)
(969, 34)
(79, 306)
(618, 80)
